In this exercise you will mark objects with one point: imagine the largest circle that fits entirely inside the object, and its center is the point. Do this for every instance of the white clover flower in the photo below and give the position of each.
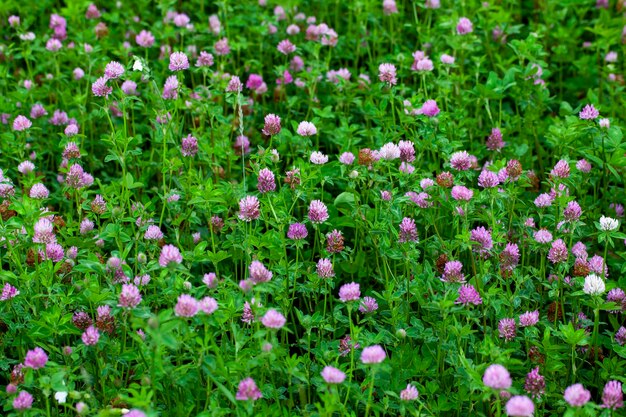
(61, 396)
(138, 65)
(318, 158)
(594, 285)
(608, 224)
(390, 151)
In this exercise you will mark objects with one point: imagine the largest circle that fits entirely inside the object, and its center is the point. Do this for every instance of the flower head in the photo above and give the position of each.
(409, 393)
(318, 213)
(170, 254)
(464, 26)
(576, 395)
(36, 358)
(387, 73)
(589, 113)
(306, 129)
(497, 377)
(186, 306)
(468, 295)
(248, 390)
(612, 395)
(249, 208)
(506, 329)
(21, 123)
(520, 406)
(178, 61)
(594, 285)
(349, 292)
(273, 319)
(373, 354)
(608, 224)
(333, 375)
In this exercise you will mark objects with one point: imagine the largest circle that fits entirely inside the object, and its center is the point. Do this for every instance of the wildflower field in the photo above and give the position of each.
(312, 208)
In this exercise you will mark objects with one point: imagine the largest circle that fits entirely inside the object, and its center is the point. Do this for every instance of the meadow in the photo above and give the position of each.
(312, 208)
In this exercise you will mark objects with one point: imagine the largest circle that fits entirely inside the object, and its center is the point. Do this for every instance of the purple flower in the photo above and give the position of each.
(497, 377)
(387, 73)
(272, 125)
(409, 393)
(520, 406)
(208, 305)
(259, 273)
(39, 191)
(153, 233)
(273, 319)
(90, 336)
(113, 70)
(529, 318)
(285, 47)
(99, 88)
(36, 358)
(460, 161)
(333, 375)
(306, 129)
(583, 166)
(483, 237)
(249, 208)
(234, 85)
(23, 401)
(561, 169)
(464, 26)
(543, 200)
(468, 295)
(576, 395)
(506, 329)
(144, 39)
(488, 179)
(186, 306)
(452, 272)
(494, 141)
(178, 61)
(170, 254)
(368, 305)
(318, 213)
(535, 384)
(429, 108)
(297, 231)
(54, 252)
(408, 231)
(334, 241)
(543, 236)
(130, 296)
(558, 252)
(588, 113)
(189, 146)
(612, 396)
(210, 280)
(21, 123)
(8, 292)
(44, 231)
(266, 181)
(373, 354)
(620, 336)
(248, 390)
(205, 59)
(349, 292)
(325, 268)
(461, 193)
(572, 211)
(509, 257)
